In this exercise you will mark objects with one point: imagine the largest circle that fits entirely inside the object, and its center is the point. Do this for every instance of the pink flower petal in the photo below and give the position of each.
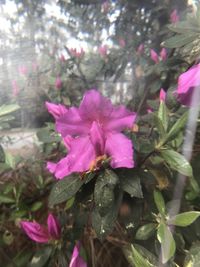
(76, 259)
(80, 156)
(174, 17)
(58, 82)
(97, 138)
(94, 106)
(120, 149)
(72, 124)
(56, 110)
(54, 228)
(35, 231)
(119, 119)
(154, 56)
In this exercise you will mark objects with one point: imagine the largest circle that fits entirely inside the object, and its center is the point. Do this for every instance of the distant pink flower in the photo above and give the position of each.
(149, 110)
(140, 49)
(161, 57)
(76, 259)
(77, 53)
(105, 6)
(122, 43)
(23, 70)
(103, 50)
(62, 58)
(58, 82)
(40, 233)
(189, 86)
(56, 110)
(95, 131)
(162, 95)
(15, 88)
(174, 17)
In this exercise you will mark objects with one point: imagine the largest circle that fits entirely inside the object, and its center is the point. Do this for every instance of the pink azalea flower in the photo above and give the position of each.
(140, 49)
(56, 110)
(76, 259)
(75, 53)
(58, 82)
(174, 17)
(162, 95)
(103, 50)
(95, 130)
(40, 233)
(122, 43)
(22, 70)
(15, 88)
(161, 57)
(189, 84)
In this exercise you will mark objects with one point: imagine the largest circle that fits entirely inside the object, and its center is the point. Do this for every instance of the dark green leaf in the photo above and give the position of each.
(104, 191)
(183, 27)
(46, 136)
(167, 242)
(180, 40)
(6, 199)
(41, 257)
(184, 219)
(130, 183)
(145, 231)
(104, 225)
(135, 257)
(159, 201)
(64, 189)
(177, 162)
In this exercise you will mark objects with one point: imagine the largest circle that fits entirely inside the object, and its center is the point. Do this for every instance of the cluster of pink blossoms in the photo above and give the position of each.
(92, 131)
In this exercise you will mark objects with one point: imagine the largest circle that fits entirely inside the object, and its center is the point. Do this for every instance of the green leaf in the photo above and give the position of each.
(8, 238)
(136, 258)
(6, 199)
(159, 125)
(177, 162)
(167, 242)
(192, 258)
(130, 183)
(162, 115)
(6, 109)
(184, 219)
(180, 40)
(41, 257)
(36, 206)
(103, 225)
(183, 27)
(10, 160)
(104, 191)
(176, 128)
(159, 201)
(69, 203)
(65, 189)
(145, 231)
(45, 135)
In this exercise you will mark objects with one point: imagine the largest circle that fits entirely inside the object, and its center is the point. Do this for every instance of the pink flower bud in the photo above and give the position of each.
(54, 228)
(76, 259)
(58, 82)
(163, 54)
(162, 95)
(62, 58)
(140, 49)
(22, 70)
(103, 50)
(174, 17)
(154, 56)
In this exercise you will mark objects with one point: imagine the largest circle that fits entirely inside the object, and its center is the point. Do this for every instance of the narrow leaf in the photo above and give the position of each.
(162, 115)
(177, 162)
(184, 219)
(159, 201)
(145, 231)
(180, 40)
